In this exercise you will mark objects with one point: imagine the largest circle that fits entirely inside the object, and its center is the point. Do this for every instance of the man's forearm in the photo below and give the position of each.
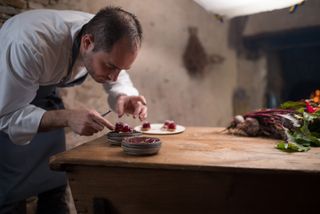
(54, 119)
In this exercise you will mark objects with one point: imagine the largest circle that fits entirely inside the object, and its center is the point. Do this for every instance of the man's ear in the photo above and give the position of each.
(87, 42)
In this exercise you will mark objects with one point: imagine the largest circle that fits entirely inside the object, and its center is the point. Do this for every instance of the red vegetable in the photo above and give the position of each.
(309, 108)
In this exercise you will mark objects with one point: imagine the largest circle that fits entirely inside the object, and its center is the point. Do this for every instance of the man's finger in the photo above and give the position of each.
(89, 131)
(141, 99)
(137, 109)
(143, 113)
(102, 121)
(96, 125)
(106, 123)
(120, 106)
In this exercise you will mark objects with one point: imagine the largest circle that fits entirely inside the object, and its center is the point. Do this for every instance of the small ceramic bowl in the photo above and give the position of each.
(141, 145)
(115, 138)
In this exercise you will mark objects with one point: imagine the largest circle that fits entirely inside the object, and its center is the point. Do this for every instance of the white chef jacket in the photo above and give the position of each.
(35, 50)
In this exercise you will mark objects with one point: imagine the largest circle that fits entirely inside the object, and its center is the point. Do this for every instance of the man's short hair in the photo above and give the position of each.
(110, 25)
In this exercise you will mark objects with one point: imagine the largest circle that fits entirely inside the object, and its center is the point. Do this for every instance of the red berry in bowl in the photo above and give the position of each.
(127, 128)
(119, 126)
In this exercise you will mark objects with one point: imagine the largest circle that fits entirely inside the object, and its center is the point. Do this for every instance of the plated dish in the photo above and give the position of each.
(121, 131)
(158, 129)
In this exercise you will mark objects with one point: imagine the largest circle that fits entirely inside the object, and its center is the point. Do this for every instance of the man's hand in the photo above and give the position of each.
(135, 105)
(83, 122)
(87, 122)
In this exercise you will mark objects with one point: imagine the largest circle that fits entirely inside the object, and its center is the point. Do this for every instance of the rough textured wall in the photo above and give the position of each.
(159, 72)
(9, 8)
(306, 15)
(162, 71)
(252, 70)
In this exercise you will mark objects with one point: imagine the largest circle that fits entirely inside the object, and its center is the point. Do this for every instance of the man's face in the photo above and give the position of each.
(105, 66)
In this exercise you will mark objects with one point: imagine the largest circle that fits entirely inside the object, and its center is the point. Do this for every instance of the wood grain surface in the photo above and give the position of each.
(199, 171)
(199, 148)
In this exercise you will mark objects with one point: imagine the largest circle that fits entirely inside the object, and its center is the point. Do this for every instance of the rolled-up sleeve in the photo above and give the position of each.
(123, 85)
(19, 72)
(22, 124)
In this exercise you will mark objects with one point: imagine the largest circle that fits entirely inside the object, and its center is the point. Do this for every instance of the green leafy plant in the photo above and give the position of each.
(296, 124)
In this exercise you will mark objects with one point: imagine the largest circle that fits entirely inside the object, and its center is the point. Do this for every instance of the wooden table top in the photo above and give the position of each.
(198, 148)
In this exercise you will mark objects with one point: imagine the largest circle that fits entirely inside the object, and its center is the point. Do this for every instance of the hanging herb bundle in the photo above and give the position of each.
(295, 124)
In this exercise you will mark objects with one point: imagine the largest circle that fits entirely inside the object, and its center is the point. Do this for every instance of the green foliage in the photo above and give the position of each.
(293, 105)
(291, 147)
(300, 139)
(296, 123)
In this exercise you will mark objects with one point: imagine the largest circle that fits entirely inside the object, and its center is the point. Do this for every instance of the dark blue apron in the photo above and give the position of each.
(24, 169)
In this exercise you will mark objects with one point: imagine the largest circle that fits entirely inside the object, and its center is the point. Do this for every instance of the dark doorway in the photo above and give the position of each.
(293, 59)
(300, 72)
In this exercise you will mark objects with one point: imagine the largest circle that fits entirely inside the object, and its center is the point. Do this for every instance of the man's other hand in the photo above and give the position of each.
(134, 105)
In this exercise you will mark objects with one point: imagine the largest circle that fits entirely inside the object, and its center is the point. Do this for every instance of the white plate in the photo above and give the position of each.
(156, 129)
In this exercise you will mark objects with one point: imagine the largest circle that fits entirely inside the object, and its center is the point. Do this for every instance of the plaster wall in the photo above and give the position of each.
(252, 72)
(159, 73)
(306, 15)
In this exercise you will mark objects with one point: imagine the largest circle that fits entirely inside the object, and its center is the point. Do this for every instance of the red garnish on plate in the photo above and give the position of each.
(146, 126)
(169, 125)
(172, 126)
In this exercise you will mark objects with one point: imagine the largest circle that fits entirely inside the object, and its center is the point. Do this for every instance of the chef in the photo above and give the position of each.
(41, 50)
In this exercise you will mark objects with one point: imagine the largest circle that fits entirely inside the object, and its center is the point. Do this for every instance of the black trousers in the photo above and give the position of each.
(49, 202)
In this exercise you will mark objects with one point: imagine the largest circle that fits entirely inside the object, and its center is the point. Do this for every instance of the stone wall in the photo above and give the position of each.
(10, 8)
(253, 69)
(179, 36)
(306, 15)
(185, 68)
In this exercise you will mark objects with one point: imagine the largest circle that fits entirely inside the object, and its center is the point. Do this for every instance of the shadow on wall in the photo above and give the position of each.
(195, 58)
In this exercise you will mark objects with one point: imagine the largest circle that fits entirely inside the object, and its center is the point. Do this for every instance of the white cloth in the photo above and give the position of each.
(35, 50)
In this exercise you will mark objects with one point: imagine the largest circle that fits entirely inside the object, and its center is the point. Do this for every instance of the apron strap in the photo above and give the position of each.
(75, 53)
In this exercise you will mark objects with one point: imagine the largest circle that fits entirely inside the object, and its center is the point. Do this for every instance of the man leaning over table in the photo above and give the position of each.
(40, 51)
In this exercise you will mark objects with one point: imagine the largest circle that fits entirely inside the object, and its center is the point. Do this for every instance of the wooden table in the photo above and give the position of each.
(198, 171)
